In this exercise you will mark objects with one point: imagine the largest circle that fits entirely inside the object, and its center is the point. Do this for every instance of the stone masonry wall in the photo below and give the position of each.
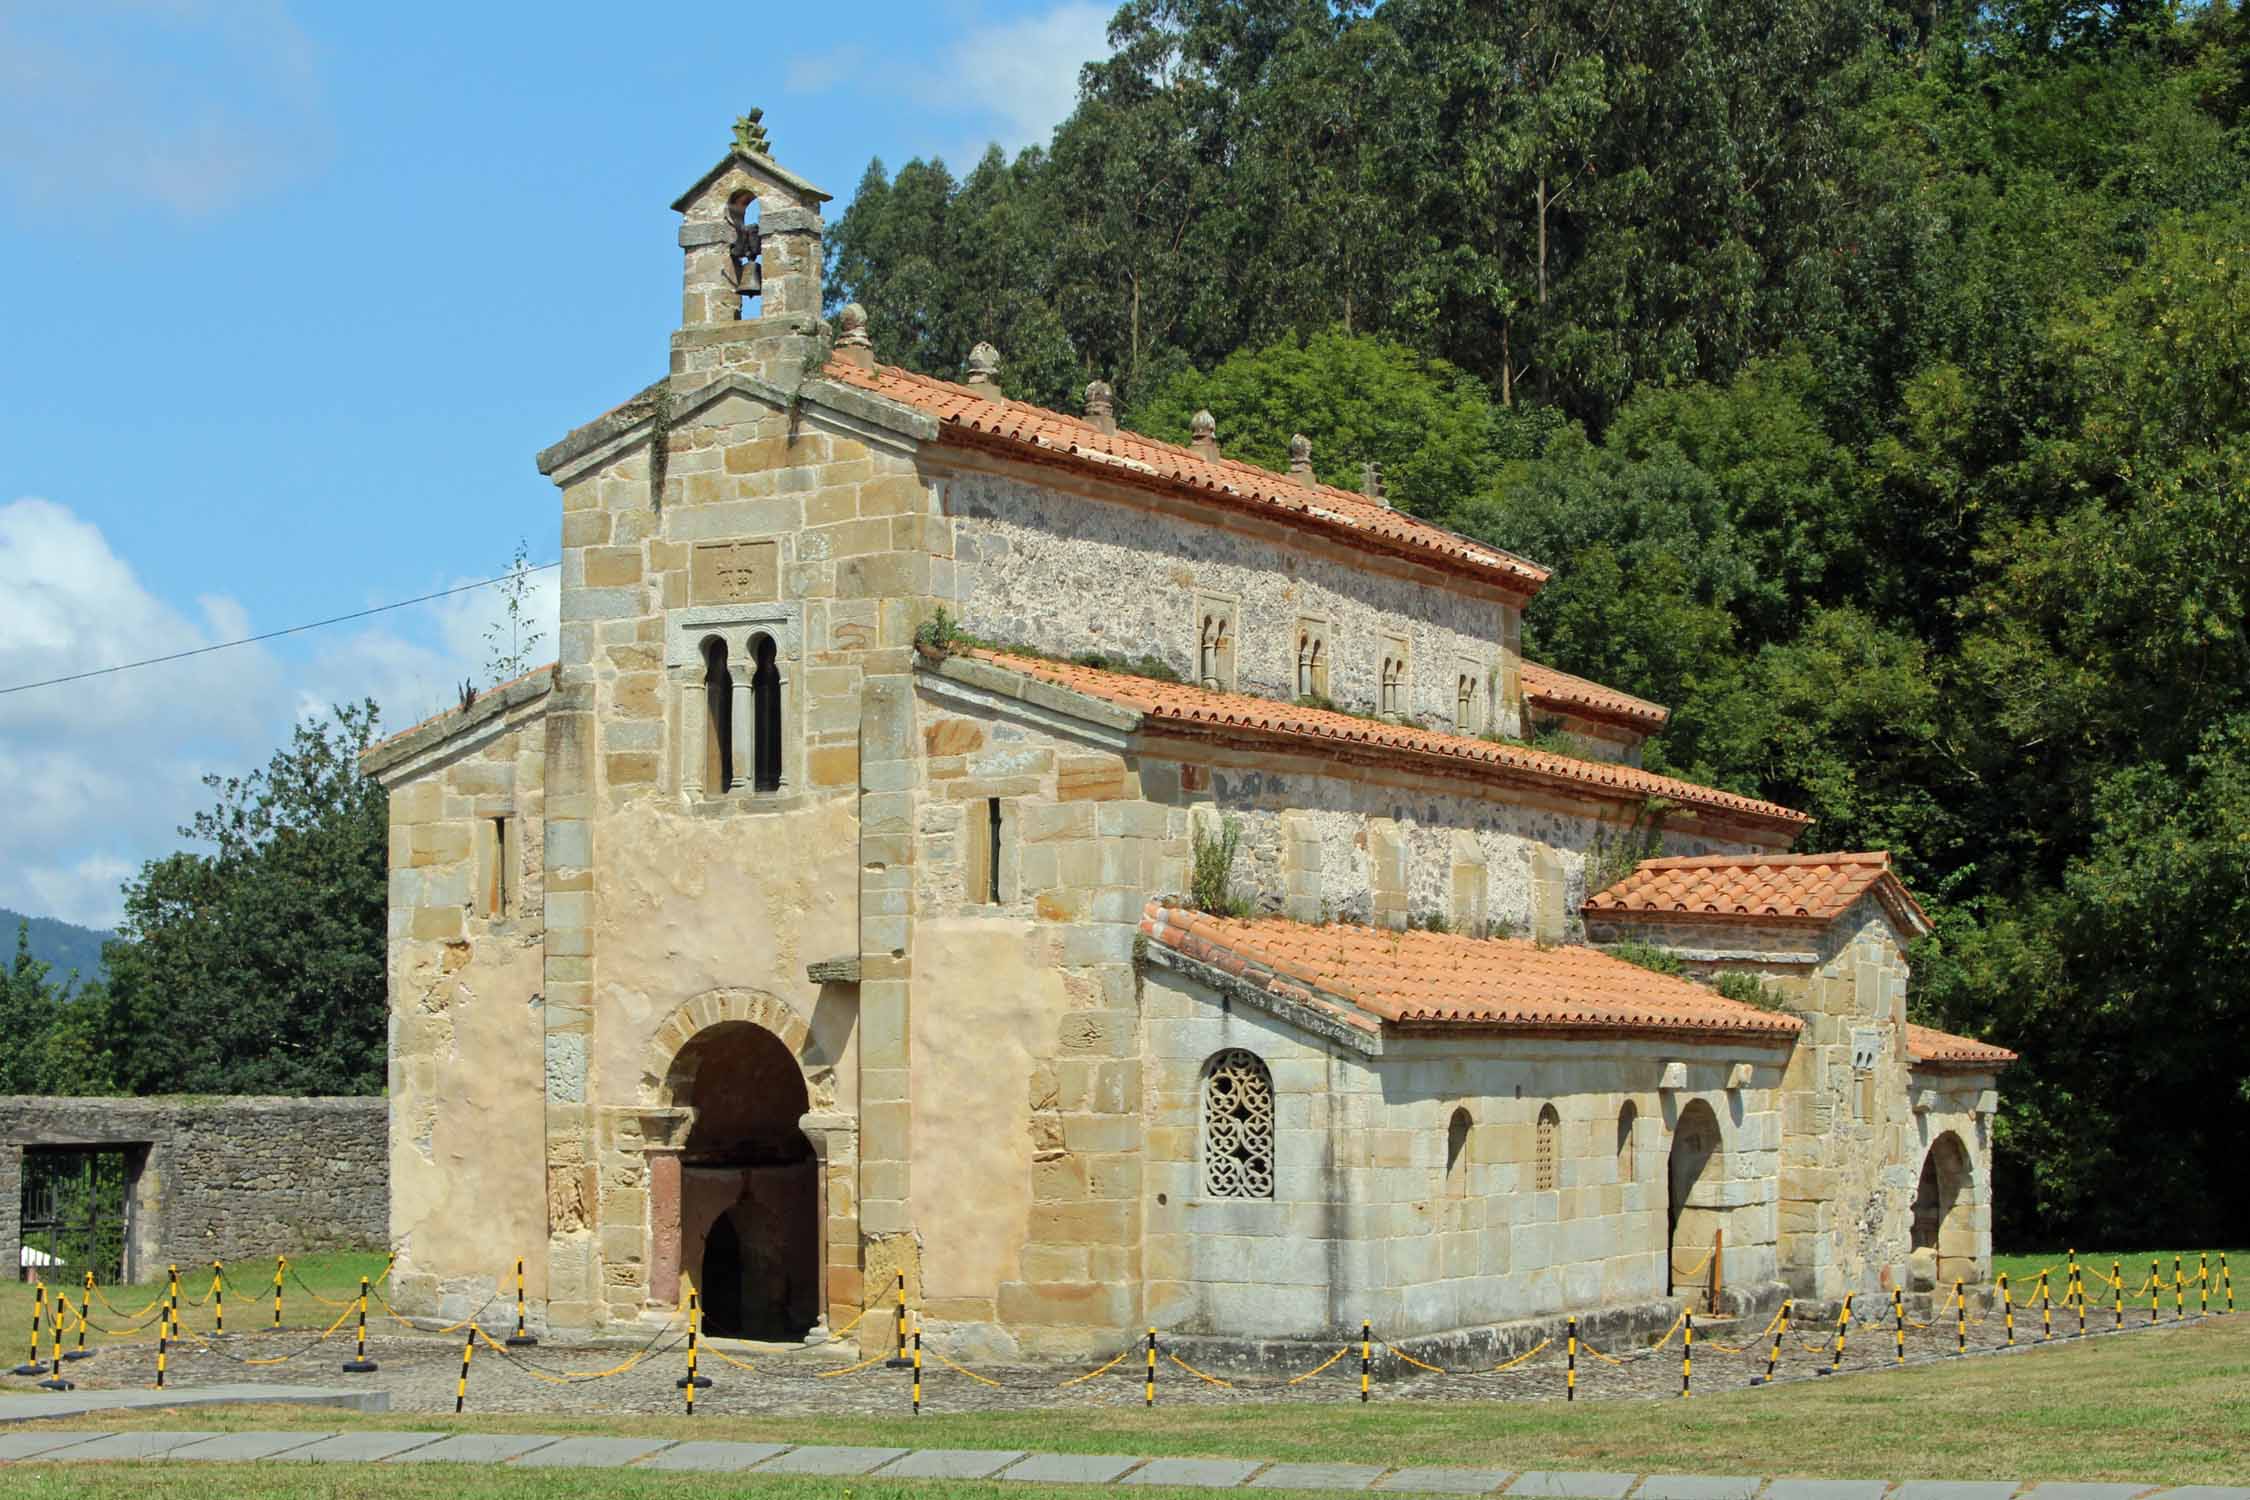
(223, 1178)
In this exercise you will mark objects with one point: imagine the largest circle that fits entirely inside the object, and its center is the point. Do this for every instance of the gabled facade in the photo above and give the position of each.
(781, 939)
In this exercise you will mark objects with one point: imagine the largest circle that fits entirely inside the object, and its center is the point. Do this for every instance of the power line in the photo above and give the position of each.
(273, 635)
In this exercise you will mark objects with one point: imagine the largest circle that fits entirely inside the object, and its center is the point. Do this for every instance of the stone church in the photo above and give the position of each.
(1105, 883)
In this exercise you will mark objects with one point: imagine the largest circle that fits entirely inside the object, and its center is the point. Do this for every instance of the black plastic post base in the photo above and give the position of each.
(29, 1370)
(359, 1367)
(895, 1363)
(520, 1340)
(1824, 1372)
(1757, 1380)
(78, 1354)
(57, 1384)
(700, 1382)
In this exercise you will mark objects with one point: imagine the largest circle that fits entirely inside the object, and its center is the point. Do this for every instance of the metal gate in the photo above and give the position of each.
(77, 1206)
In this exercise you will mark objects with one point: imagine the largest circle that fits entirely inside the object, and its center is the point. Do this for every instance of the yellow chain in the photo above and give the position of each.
(851, 1370)
(570, 1378)
(1104, 1370)
(939, 1356)
(1417, 1364)
(1192, 1370)
(1519, 1359)
(1298, 1379)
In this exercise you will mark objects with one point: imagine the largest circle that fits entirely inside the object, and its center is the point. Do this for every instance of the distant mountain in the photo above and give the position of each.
(62, 944)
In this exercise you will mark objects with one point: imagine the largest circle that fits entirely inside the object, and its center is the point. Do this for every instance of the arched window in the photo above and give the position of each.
(1627, 1118)
(1237, 1126)
(718, 718)
(1546, 1167)
(765, 714)
(1217, 643)
(1465, 705)
(1457, 1155)
(1312, 666)
(1393, 671)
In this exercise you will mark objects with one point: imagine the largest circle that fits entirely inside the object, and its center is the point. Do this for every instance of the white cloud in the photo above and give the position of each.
(109, 105)
(818, 72)
(102, 772)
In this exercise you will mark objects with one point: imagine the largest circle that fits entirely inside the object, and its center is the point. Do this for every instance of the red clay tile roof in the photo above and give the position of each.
(1369, 976)
(1200, 710)
(1929, 1045)
(1757, 888)
(984, 418)
(1563, 693)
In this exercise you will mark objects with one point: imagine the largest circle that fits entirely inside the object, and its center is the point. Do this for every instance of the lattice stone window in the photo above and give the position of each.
(1237, 1126)
(1546, 1167)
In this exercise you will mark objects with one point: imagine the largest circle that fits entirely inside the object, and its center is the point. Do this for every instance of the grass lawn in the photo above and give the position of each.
(249, 1300)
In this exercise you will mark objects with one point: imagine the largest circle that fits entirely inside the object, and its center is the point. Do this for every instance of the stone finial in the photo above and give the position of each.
(750, 135)
(1101, 406)
(1205, 441)
(1371, 483)
(853, 346)
(1300, 460)
(984, 365)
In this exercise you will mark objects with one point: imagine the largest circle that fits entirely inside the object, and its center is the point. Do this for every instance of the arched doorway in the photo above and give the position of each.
(1944, 1243)
(1692, 1211)
(750, 1186)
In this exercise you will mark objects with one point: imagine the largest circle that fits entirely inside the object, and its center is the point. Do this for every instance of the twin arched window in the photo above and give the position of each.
(1312, 666)
(1237, 1126)
(760, 699)
(1214, 664)
(1391, 687)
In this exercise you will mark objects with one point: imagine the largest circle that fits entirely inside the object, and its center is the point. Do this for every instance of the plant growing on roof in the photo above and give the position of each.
(1647, 956)
(939, 633)
(1615, 853)
(512, 639)
(1209, 887)
(1750, 989)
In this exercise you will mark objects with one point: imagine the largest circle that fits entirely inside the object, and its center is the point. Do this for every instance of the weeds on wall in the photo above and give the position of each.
(1646, 955)
(1615, 853)
(1750, 989)
(1210, 886)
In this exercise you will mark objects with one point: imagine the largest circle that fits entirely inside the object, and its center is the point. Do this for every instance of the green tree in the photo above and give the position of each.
(258, 966)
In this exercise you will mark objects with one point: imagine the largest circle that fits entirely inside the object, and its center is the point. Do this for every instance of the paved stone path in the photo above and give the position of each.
(527, 1451)
(47, 1404)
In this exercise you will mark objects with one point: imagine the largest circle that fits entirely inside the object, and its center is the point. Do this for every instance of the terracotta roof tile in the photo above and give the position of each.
(1186, 707)
(1758, 888)
(1564, 693)
(973, 414)
(1374, 976)
(1929, 1045)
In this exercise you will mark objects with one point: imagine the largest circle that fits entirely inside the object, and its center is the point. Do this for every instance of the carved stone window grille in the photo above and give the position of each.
(1546, 1167)
(1237, 1126)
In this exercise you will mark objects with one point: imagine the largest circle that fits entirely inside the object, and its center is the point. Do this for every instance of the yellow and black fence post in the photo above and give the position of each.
(2046, 1311)
(2078, 1285)
(172, 1298)
(898, 1359)
(2009, 1303)
(85, 1304)
(1148, 1388)
(54, 1380)
(461, 1390)
(1843, 1327)
(918, 1363)
(2179, 1291)
(2203, 1284)
(1960, 1320)
(522, 1338)
(692, 1382)
(2155, 1291)
(163, 1342)
(1687, 1356)
(280, 1264)
(1570, 1370)
(30, 1365)
(1366, 1356)
(2227, 1277)
(359, 1363)
(1773, 1356)
(219, 1298)
(2117, 1288)
(1898, 1321)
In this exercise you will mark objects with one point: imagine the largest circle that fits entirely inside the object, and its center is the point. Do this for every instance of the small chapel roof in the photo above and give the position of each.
(1367, 977)
(1927, 1045)
(980, 416)
(1182, 707)
(1759, 888)
(1560, 692)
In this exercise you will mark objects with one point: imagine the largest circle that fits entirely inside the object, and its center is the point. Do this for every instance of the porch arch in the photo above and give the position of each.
(1944, 1233)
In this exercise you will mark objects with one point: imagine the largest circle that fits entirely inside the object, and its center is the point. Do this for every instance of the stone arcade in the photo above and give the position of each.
(757, 944)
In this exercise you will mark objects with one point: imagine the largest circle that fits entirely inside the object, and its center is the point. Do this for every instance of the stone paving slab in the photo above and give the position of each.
(953, 1463)
(34, 1407)
(474, 1448)
(1550, 1484)
(710, 1457)
(1318, 1477)
(2207, 1492)
(2087, 1491)
(1698, 1487)
(592, 1453)
(1947, 1489)
(839, 1462)
(18, 1446)
(358, 1447)
(1197, 1473)
(1447, 1481)
(1071, 1468)
(244, 1447)
(1827, 1489)
(130, 1445)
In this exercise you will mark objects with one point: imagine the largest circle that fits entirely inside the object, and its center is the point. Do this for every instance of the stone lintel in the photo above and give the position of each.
(834, 970)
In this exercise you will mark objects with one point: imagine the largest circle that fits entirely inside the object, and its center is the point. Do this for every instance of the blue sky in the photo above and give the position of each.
(295, 291)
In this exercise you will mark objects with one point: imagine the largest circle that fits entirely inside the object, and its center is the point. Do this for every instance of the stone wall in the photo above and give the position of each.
(218, 1178)
(1041, 566)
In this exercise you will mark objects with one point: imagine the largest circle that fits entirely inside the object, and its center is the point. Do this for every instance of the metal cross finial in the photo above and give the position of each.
(749, 135)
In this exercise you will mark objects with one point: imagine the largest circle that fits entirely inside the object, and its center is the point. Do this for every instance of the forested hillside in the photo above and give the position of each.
(69, 948)
(1875, 377)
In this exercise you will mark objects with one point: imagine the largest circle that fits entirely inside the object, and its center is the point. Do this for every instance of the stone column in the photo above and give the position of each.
(739, 731)
(664, 1225)
(693, 726)
(573, 1194)
(886, 853)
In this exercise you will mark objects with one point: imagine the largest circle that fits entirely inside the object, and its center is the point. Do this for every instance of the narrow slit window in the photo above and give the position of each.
(498, 894)
(991, 891)
(765, 714)
(718, 718)
(1465, 705)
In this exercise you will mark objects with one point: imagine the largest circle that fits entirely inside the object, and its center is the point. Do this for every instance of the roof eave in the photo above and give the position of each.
(756, 162)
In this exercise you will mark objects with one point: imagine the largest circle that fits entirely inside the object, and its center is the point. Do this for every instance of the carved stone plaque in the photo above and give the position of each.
(736, 572)
(1867, 1047)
